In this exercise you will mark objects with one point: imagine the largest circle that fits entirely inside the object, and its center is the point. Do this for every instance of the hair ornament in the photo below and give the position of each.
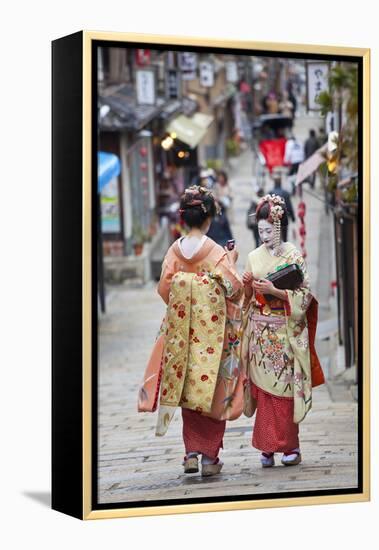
(276, 208)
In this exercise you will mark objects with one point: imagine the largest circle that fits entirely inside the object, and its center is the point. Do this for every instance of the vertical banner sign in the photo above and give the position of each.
(206, 69)
(146, 86)
(317, 82)
(231, 71)
(173, 84)
(188, 65)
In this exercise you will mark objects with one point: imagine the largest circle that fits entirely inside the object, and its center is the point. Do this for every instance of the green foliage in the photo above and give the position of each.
(215, 164)
(139, 236)
(323, 169)
(350, 194)
(343, 94)
(232, 148)
(324, 99)
(332, 183)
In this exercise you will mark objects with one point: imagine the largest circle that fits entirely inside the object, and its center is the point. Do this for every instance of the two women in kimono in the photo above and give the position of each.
(204, 363)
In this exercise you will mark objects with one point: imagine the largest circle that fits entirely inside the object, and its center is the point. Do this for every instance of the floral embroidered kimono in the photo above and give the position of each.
(278, 353)
(200, 361)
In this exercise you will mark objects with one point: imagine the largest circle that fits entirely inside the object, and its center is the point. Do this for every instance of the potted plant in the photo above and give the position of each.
(139, 238)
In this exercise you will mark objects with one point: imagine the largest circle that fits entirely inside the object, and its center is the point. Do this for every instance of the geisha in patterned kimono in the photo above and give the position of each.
(199, 336)
(278, 352)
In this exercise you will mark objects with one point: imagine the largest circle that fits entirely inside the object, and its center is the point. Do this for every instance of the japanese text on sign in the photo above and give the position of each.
(317, 82)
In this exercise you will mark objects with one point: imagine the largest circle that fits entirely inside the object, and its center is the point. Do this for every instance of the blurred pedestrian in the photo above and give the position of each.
(293, 156)
(251, 220)
(310, 147)
(223, 193)
(322, 138)
(219, 229)
(292, 98)
(270, 103)
(286, 106)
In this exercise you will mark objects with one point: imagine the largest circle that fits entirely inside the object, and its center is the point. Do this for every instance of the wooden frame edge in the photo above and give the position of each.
(88, 513)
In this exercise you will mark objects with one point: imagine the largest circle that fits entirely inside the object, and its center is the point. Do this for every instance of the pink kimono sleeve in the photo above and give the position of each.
(233, 287)
(168, 271)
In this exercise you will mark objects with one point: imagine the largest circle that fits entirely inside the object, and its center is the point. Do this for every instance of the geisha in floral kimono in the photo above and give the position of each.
(278, 350)
(199, 337)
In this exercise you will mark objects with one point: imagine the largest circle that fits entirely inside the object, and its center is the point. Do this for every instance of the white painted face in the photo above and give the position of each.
(266, 233)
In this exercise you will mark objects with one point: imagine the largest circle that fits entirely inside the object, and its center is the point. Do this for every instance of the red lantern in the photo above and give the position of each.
(143, 151)
(301, 210)
(302, 231)
(143, 166)
(302, 205)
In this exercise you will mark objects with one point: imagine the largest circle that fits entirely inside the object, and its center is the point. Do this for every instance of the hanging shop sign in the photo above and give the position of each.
(206, 69)
(146, 86)
(110, 208)
(173, 84)
(317, 82)
(143, 57)
(231, 71)
(188, 65)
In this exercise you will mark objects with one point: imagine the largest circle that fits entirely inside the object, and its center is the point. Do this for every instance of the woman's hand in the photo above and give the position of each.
(264, 286)
(232, 254)
(247, 278)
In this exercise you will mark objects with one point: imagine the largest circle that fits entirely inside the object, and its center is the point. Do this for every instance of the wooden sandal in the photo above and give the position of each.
(292, 462)
(211, 469)
(191, 465)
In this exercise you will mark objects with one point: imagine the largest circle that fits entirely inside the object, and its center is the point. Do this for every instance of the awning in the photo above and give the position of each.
(203, 120)
(108, 167)
(188, 129)
(124, 113)
(310, 165)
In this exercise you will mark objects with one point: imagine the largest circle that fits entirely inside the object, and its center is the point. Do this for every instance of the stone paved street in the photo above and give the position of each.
(136, 465)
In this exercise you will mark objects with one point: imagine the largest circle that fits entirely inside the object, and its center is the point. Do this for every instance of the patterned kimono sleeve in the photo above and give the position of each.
(299, 299)
(298, 336)
(233, 286)
(246, 301)
(167, 273)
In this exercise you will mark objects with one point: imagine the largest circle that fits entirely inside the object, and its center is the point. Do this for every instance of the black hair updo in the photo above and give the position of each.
(196, 206)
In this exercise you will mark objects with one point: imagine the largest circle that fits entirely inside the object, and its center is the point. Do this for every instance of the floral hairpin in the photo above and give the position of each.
(199, 190)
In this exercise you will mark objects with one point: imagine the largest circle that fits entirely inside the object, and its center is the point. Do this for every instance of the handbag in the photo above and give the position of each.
(286, 277)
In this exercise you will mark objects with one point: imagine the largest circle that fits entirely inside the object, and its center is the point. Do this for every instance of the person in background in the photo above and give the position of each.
(310, 147)
(293, 156)
(223, 194)
(322, 138)
(270, 103)
(219, 229)
(286, 106)
(292, 98)
(279, 191)
(251, 221)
